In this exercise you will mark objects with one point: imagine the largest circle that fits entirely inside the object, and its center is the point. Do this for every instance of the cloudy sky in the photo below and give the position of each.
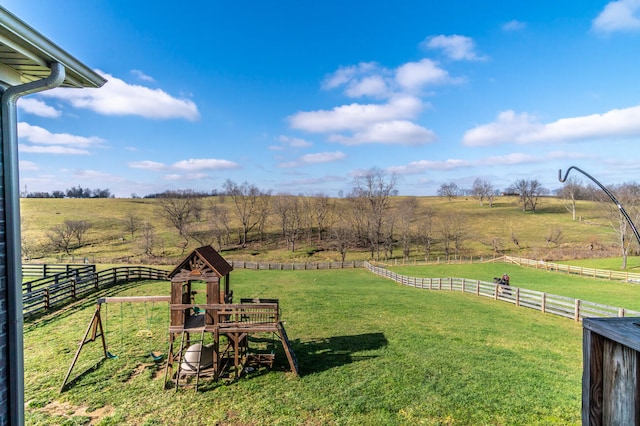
(301, 96)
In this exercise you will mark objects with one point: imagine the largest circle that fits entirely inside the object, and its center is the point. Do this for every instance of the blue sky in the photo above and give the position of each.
(301, 96)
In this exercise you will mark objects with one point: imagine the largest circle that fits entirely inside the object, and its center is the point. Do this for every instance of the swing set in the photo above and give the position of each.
(96, 329)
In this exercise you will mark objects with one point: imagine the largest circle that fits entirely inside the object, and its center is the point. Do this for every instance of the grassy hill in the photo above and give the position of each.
(486, 231)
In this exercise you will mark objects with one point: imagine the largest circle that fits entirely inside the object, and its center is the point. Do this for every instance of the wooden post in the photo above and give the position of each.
(576, 312)
(517, 296)
(611, 374)
(543, 303)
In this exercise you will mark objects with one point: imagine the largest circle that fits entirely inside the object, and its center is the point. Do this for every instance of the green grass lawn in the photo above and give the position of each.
(370, 352)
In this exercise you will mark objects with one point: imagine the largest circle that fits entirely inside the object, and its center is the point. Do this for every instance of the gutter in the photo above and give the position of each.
(12, 244)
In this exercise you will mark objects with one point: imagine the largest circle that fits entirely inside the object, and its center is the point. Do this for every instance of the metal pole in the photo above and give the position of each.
(12, 243)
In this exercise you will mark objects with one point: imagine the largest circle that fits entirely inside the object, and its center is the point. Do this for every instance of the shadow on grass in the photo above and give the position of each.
(317, 355)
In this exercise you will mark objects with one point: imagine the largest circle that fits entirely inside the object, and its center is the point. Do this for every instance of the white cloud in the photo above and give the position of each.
(117, 97)
(414, 75)
(422, 166)
(523, 128)
(621, 15)
(28, 166)
(204, 164)
(322, 157)
(288, 141)
(344, 75)
(514, 25)
(400, 132)
(191, 164)
(38, 107)
(39, 149)
(147, 165)
(188, 176)
(41, 136)
(455, 47)
(356, 116)
(373, 85)
(508, 127)
(317, 158)
(142, 76)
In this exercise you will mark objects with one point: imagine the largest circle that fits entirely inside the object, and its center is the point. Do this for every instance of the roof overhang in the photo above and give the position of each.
(26, 56)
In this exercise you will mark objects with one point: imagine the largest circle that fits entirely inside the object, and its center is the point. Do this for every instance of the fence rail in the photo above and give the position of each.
(567, 307)
(76, 281)
(575, 270)
(241, 264)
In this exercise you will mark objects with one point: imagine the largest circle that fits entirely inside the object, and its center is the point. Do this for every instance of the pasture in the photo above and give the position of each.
(370, 352)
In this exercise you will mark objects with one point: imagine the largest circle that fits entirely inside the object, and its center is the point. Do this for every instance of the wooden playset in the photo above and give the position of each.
(208, 339)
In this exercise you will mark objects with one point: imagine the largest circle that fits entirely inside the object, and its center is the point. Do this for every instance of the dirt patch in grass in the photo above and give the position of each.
(63, 409)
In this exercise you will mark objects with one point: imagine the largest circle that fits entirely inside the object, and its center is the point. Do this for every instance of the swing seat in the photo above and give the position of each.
(111, 356)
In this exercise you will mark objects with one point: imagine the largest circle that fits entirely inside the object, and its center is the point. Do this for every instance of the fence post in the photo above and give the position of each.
(543, 303)
(477, 287)
(576, 315)
(495, 292)
(517, 296)
(621, 312)
(46, 298)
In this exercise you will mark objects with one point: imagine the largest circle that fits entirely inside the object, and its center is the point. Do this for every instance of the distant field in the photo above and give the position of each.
(370, 352)
(109, 242)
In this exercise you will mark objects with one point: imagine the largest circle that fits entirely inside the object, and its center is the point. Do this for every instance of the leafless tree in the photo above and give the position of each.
(571, 191)
(406, 218)
(290, 212)
(148, 233)
(342, 232)
(219, 223)
(61, 236)
(131, 223)
(180, 211)
(483, 190)
(529, 191)
(372, 192)
(321, 207)
(449, 190)
(426, 231)
(628, 194)
(452, 233)
(246, 199)
(554, 236)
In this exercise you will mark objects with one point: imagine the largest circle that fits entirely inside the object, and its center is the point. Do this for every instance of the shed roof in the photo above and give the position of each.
(26, 55)
(207, 257)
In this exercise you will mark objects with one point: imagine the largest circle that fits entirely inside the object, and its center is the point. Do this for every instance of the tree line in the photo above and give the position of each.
(367, 218)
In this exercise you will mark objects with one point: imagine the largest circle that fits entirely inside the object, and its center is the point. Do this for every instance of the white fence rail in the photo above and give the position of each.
(567, 307)
(575, 270)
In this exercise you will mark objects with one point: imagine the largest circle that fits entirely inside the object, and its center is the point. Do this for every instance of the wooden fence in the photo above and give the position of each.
(567, 307)
(575, 270)
(40, 295)
(48, 269)
(241, 264)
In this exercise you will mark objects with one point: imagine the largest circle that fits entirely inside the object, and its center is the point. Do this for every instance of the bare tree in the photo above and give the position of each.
(406, 217)
(321, 207)
(554, 236)
(219, 224)
(426, 231)
(180, 210)
(628, 194)
(449, 190)
(343, 233)
(61, 236)
(246, 199)
(131, 223)
(571, 191)
(483, 190)
(373, 190)
(529, 191)
(289, 210)
(148, 233)
(452, 233)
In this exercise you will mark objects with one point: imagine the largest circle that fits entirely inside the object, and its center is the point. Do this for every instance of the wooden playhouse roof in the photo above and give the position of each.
(201, 260)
